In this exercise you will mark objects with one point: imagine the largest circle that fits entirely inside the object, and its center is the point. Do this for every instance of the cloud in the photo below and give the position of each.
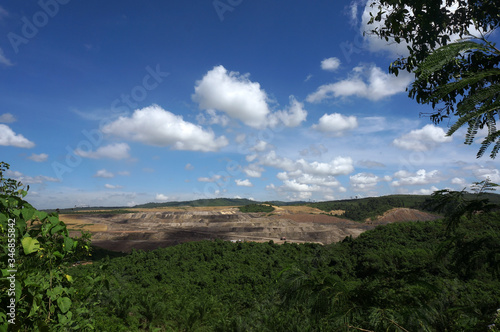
(39, 158)
(425, 191)
(302, 178)
(103, 173)
(4, 60)
(110, 186)
(9, 138)
(214, 178)
(292, 116)
(458, 181)
(7, 118)
(330, 64)
(124, 173)
(493, 174)
(370, 164)
(253, 170)
(423, 139)
(212, 118)
(243, 183)
(233, 94)
(336, 123)
(161, 197)
(260, 146)
(337, 166)
(364, 181)
(421, 177)
(115, 151)
(155, 126)
(243, 100)
(25, 179)
(368, 82)
(188, 167)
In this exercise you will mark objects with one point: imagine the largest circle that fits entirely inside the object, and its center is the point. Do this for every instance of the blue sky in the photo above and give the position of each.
(119, 103)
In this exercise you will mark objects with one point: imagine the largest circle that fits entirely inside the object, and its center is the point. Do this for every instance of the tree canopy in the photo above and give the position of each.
(455, 62)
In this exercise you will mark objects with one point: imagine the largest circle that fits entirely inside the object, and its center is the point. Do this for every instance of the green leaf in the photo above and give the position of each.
(64, 304)
(68, 244)
(41, 215)
(56, 229)
(30, 245)
(28, 212)
(58, 254)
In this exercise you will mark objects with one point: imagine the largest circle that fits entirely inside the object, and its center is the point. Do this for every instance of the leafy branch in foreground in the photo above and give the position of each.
(38, 251)
(455, 204)
(455, 64)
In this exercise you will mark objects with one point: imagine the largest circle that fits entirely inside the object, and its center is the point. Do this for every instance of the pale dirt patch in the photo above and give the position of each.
(79, 222)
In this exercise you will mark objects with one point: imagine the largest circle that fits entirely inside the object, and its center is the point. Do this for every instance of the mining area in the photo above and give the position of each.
(149, 229)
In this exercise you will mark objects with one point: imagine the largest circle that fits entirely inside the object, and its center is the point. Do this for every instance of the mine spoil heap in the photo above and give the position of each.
(151, 230)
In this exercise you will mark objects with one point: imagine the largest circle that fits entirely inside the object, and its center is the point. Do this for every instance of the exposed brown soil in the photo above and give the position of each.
(154, 228)
(404, 214)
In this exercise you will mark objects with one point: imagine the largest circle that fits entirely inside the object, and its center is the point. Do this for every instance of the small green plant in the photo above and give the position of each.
(36, 249)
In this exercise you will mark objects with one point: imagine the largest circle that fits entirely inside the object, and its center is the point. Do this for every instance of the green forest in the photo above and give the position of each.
(414, 276)
(400, 277)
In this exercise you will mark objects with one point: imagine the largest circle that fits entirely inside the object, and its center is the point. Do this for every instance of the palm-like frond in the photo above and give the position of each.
(478, 85)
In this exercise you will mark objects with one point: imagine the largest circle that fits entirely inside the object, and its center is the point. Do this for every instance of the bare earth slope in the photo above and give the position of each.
(154, 228)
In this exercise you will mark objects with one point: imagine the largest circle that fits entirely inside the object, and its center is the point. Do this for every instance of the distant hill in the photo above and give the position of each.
(355, 209)
(362, 209)
(201, 202)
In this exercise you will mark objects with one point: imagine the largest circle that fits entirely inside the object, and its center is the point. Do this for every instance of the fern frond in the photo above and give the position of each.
(487, 142)
(464, 82)
(445, 55)
(485, 109)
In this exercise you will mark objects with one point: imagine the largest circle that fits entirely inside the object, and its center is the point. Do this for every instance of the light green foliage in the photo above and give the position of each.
(42, 251)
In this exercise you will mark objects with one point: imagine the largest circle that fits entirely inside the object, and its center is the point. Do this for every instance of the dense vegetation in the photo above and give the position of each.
(256, 208)
(362, 209)
(371, 207)
(201, 202)
(400, 277)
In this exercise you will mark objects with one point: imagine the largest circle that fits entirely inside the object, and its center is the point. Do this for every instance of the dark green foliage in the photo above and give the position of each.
(399, 277)
(366, 208)
(256, 208)
(201, 202)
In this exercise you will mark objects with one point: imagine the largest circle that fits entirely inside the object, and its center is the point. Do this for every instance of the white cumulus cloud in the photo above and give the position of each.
(161, 197)
(26, 179)
(233, 94)
(330, 64)
(421, 177)
(336, 123)
(423, 139)
(115, 151)
(155, 126)
(364, 181)
(368, 82)
(292, 116)
(9, 138)
(243, 183)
